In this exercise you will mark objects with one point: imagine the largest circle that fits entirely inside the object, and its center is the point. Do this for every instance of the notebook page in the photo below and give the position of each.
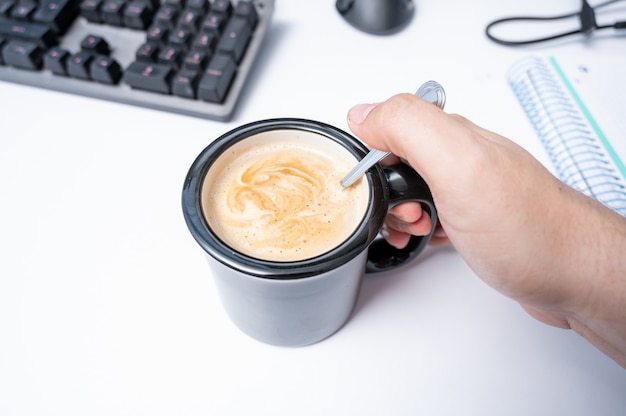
(599, 86)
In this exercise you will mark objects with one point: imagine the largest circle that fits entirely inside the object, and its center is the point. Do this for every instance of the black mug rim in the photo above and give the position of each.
(354, 245)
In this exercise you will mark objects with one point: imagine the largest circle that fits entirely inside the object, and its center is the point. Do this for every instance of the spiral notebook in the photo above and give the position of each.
(578, 110)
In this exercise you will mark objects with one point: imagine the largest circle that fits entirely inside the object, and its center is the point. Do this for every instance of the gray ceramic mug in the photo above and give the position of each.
(297, 303)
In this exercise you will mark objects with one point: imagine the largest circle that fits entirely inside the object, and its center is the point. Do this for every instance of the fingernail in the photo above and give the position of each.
(359, 112)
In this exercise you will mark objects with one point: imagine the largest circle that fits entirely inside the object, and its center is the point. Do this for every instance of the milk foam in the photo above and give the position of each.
(283, 200)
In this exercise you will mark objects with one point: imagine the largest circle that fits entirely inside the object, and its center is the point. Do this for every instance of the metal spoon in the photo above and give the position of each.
(430, 91)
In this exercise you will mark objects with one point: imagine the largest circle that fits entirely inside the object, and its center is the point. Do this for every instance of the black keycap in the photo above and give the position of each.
(224, 7)
(105, 69)
(166, 16)
(205, 40)
(180, 36)
(138, 15)
(196, 60)
(78, 65)
(217, 79)
(235, 38)
(21, 54)
(147, 53)
(55, 60)
(157, 35)
(57, 14)
(185, 83)
(247, 10)
(190, 19)
(37, 33)
(5, 8)
(23, 9)
(200, 6)
(149, 76)
(177, 4)
(90, 10)
(113, 12)
(214, 23)
(95, 45)
(171, 56)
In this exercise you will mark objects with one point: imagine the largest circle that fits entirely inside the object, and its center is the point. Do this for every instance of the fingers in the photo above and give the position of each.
(398, 239)
(405, 220)
(409, 218)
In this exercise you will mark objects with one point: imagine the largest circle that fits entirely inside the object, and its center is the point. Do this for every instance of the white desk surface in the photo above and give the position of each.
(107, 306)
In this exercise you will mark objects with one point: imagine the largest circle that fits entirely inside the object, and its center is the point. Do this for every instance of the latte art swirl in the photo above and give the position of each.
(286, 195)
(285, 202)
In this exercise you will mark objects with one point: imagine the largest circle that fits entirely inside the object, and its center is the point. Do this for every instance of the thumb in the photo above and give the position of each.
(409, 127)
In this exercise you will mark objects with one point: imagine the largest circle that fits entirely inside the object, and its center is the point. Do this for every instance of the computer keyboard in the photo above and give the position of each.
(184, 56)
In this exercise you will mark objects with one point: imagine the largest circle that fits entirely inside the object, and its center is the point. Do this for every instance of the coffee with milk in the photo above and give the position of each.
(277, 196)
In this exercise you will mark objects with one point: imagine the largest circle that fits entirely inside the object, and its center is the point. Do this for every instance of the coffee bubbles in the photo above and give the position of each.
(277, 196)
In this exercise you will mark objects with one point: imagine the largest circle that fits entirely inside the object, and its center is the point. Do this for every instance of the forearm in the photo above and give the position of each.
(596, 267)
(561, 255)
(569, 267)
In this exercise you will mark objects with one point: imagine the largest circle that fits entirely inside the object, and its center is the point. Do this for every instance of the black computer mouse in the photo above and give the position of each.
(379, 17)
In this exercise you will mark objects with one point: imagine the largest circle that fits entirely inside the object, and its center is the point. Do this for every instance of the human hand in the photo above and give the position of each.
(471, 173)
(519, 228)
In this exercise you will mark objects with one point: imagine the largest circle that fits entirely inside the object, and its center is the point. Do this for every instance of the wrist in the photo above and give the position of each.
(594, 272)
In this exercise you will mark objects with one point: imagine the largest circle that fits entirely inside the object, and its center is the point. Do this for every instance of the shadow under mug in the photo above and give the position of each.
(297, 303)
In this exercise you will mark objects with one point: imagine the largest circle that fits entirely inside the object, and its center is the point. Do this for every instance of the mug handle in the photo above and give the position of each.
(405, 184)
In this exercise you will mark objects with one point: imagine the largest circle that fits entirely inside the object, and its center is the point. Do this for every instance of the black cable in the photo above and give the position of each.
(586, 15)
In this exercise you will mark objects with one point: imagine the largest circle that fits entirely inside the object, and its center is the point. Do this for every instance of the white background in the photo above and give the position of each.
(107, 306)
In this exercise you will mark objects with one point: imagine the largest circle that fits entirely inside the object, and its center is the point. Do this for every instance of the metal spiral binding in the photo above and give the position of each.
(564, 132)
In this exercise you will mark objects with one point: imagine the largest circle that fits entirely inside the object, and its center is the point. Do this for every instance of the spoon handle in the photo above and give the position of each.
(430, 91)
